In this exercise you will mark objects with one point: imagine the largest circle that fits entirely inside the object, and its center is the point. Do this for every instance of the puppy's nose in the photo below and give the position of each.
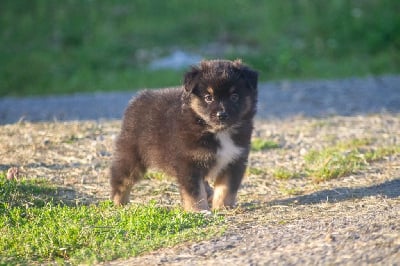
(221, 115)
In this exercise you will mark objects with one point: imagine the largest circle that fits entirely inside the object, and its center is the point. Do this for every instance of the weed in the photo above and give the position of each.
(379, 153)
(156, 175)
(344, 158)
(284, 174)
(24, 192)
(255, 171)
(261, 144)
(291, 191)
(355, 143)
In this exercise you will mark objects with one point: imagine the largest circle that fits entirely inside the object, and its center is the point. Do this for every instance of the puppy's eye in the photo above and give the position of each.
(208, 98)
(234, 97)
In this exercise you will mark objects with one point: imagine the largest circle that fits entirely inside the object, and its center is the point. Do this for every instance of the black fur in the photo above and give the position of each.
(176, 131)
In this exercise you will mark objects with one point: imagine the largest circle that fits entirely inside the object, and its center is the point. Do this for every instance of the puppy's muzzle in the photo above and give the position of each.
(222, 116)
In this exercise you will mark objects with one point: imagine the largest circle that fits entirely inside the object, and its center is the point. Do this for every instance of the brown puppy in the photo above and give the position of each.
(195, 133)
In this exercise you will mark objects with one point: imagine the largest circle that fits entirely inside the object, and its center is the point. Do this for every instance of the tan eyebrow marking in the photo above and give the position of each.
(210, 90)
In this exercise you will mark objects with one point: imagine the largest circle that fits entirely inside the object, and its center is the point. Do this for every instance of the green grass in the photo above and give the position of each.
(284, 174)
(340, 159)
(344, 158)
(156, 175)
(52, 47)
(262, 144)
(24, 193)
(37, 229)
(254, 171)
(290, 191)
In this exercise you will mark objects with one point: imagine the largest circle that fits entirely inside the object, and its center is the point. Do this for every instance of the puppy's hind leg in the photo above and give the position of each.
(125, 172)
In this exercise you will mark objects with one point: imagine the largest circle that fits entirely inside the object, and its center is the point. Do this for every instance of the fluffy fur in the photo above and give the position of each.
(197, 133)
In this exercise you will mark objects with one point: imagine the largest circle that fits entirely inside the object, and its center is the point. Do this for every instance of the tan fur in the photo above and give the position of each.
(195, 104)
(120, 194)
(195, 204)
(222, 196)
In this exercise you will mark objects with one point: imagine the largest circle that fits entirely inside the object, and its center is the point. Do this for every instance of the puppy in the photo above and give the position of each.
(197, 133)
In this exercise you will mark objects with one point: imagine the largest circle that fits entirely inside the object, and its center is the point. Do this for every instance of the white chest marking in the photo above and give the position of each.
(226, 153)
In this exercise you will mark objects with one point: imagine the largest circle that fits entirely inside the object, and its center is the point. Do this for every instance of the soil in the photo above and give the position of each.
(348, 220)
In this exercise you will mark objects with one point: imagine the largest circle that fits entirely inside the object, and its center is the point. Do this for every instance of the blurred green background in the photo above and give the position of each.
(54, 47)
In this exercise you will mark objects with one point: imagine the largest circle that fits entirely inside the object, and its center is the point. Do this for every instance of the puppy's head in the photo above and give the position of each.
(222, 93)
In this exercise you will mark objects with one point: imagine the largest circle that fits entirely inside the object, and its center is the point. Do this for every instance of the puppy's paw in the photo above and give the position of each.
(205, 212)
(119, 198)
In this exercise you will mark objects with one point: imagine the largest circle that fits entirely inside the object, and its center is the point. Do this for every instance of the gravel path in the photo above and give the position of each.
(352, 220)
(276, 100)
(365, 237)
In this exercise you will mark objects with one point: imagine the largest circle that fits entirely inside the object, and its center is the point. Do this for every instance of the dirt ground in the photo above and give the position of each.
(349, 220)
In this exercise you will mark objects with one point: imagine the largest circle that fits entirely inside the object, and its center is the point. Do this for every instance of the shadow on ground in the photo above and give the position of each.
(389, 189)
(43, 191)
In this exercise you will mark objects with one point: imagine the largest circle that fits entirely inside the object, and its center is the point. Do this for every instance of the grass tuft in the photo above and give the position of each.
(156, 175)
(35, 229)
(262, 144)
(24, 192)
(344, 158)
(254, 171)
(290, 191)
(282, 173)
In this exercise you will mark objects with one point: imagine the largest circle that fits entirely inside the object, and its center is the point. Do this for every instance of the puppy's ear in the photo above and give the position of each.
(190, 78)
(250, 75)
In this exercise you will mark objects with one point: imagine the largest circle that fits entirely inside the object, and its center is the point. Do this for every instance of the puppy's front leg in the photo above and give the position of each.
(226, 186)
(194, 194)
